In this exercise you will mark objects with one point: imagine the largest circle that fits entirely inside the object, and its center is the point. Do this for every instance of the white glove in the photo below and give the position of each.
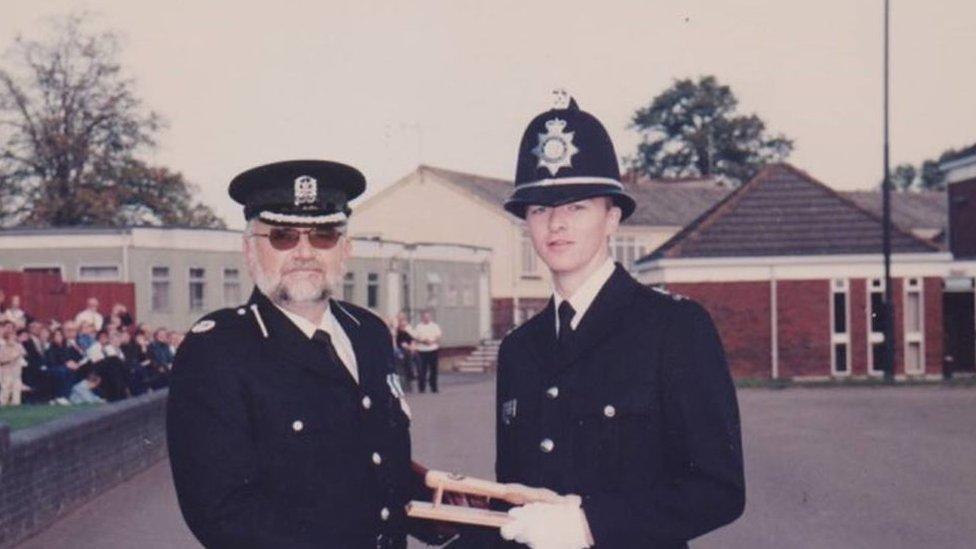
(549, 525)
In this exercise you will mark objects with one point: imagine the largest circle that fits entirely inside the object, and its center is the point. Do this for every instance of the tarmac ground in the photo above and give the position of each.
(825, 467)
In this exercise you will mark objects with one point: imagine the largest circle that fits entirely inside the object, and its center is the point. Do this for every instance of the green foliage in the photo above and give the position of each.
(692, 130)
(72, 131)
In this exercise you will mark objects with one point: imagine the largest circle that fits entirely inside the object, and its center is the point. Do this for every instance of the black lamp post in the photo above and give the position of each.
(889, 306)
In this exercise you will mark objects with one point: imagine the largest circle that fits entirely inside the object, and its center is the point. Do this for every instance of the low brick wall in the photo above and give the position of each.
(52, 468)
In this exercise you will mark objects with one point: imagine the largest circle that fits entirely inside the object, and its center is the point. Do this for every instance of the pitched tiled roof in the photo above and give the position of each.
(784, 211)
(925, 210)
(659, 203)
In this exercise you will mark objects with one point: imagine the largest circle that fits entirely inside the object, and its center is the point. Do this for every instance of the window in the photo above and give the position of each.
(451, 296)
(625, 251)
(160, 289)
(467, 295)
(914, 327)
(529, 260)
(43, 270)
(98, 272)
(197, 288)
(232, 287)
(433, 289)
(840, 337)
(372, 290)
(349, 286)
(405, 293)
(876, 336)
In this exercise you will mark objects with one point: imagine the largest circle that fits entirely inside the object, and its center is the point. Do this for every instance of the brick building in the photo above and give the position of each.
(792, 273)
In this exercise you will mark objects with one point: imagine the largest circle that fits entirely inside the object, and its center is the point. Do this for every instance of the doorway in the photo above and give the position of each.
(959, 326)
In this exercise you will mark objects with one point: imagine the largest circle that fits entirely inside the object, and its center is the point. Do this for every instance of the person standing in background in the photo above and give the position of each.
(11, 364)
(427, 336)
(91, 315)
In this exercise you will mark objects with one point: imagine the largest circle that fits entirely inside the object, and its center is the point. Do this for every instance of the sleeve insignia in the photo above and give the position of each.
(203, 326)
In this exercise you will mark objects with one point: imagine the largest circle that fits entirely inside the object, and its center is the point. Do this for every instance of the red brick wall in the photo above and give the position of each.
(502, 312)
(932, 296)
(741, 314)
(803, 309)
(859, 325)
(501, 316)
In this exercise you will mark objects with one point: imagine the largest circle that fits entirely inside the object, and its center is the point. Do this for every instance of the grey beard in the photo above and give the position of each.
(279, 294)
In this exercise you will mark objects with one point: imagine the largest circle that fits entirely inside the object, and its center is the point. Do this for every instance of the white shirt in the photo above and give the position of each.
(95, 352)
(331, 326)
(430, 331)
(92, 317)
(585, 294)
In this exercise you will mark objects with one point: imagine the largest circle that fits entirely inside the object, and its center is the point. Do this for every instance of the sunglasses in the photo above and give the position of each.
(286, 238)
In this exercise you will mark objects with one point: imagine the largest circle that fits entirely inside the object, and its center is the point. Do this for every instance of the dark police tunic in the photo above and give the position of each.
(638, 416)
(274, 444)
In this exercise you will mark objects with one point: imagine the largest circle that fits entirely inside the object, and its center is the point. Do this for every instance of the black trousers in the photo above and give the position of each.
(428, 365)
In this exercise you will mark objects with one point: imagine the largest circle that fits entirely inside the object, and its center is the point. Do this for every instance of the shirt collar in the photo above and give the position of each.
(585, 294)
(327, 324)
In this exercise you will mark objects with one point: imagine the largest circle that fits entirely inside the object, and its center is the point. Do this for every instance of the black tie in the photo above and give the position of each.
(323, 337)
(566, 314)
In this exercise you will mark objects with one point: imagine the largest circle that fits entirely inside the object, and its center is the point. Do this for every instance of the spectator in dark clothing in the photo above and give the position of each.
(161, 356)
(108, 364)
(78, 361)
(405, 351)
(136, 354)
(62, 363)
(35, 374)
(122, 313)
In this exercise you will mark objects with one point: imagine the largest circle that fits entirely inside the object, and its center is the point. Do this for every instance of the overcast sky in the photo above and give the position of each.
(387, 85)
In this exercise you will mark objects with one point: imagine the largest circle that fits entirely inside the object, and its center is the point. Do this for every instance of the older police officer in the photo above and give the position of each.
(286, 423)
(616, 395)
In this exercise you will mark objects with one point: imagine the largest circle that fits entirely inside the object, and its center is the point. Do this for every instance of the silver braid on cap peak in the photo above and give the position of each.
(273, 217)
(582, 180)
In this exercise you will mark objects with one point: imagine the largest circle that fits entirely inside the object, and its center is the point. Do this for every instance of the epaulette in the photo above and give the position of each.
(662, 291)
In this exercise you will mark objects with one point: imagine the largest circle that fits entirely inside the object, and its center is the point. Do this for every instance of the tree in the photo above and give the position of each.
(929, 176)
(692, 130)
(903, 177)
(72, 130)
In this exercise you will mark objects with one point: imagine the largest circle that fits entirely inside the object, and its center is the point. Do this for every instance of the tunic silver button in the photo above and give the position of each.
(553, 392)
(377, 458)
(384, 513)
(609, 410)
(367, 402)
(547, 445)
(241, 311)
(297, 426)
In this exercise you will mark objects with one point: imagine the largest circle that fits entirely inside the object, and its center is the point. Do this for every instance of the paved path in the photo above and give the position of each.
(855, 467)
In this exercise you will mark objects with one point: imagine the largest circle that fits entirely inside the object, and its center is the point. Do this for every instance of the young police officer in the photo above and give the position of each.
(616, 394)
(286, 422)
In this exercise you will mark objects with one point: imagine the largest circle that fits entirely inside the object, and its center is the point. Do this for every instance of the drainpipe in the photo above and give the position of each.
(773, 324)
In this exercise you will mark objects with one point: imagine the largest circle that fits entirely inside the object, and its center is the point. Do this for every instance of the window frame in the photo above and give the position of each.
(840, 286)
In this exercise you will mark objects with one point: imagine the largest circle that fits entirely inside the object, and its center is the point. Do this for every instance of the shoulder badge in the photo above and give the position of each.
(203, 326)
(509, 410)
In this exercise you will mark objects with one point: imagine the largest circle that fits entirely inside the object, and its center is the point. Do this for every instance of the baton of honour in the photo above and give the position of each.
(440, 482)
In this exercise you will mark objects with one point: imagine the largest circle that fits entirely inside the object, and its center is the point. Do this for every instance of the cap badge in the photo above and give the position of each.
(306, 190)
(555, 149)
